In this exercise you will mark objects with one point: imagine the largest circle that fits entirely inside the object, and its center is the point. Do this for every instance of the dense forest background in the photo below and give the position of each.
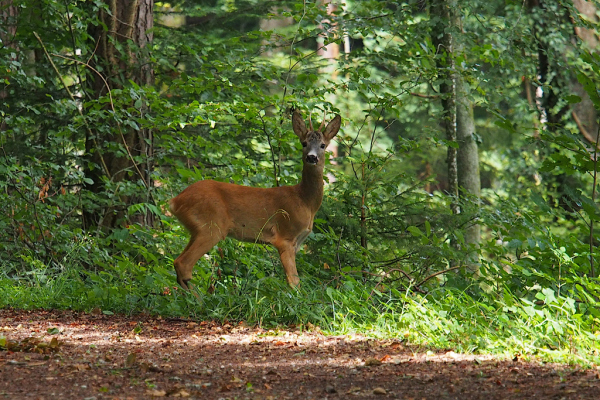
(460, 206)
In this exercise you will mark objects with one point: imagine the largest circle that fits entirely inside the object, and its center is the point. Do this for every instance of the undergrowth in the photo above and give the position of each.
(550, 329)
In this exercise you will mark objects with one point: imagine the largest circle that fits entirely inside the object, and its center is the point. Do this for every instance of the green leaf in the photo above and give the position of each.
(549, 294)
(540, 296)
(330, 292)
(557, 326)
(590, 89)
(414, 231)
(505, 124)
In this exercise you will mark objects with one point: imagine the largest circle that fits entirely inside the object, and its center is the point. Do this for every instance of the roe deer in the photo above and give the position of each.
(282, 216)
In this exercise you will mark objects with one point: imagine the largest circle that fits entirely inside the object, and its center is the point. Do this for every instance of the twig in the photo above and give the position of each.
(106, 170)
(68, 14)
(112, 106)
(48, 255)
(425, 96)
(337, 250)
(264, 126)
(436, 274)
(582, 129)
(592, 272)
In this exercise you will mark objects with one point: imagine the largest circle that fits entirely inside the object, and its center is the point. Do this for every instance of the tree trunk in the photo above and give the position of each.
(459, 123)
(584, 113)
(8, 30)
(442, 38)
(467, 156)
(122, 55)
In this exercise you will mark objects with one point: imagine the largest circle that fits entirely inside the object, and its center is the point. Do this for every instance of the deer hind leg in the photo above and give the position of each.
(287, 253)
(197, 247)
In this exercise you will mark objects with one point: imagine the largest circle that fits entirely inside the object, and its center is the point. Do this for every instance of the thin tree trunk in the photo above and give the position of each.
(459, 122)
(467, 155)
(443, 40)
(8, 22)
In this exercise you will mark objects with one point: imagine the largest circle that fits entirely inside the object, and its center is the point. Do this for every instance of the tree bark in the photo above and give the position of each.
(584, 113)
(8, 30)
(122, 55)
(459, 122)
(467, 155)
(442, 38)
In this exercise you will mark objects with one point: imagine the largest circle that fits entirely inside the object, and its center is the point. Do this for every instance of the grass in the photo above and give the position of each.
(446, 319)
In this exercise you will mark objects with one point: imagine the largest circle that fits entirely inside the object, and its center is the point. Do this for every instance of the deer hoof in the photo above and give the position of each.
(183, 283)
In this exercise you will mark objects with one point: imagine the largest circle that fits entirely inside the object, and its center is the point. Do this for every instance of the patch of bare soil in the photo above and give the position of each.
(68, 355)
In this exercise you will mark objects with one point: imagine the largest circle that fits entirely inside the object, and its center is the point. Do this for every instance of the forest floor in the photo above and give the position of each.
(71, 355)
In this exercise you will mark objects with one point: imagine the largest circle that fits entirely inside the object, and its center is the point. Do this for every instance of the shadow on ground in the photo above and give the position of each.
(117, 357)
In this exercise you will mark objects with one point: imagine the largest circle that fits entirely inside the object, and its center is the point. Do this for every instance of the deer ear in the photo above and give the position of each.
(298, 125)
(333, 127)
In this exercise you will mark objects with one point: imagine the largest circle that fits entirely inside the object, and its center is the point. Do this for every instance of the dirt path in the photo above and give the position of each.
(66, 355)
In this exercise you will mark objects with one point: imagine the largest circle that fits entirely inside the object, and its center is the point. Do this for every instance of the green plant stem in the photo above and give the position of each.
(592, 272)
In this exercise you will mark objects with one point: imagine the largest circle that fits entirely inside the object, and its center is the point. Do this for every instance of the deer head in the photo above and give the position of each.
(314, 142)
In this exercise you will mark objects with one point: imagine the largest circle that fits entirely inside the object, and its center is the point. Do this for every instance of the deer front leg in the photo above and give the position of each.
(287, 253)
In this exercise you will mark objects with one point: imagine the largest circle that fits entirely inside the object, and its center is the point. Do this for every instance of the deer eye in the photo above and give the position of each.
(303, 144)
(323, 145)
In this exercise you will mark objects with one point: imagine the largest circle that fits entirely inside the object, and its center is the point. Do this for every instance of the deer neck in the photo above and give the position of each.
(311, 186)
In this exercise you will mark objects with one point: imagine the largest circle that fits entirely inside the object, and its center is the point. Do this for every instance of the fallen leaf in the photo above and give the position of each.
(36, 364)
(379, 390)
(130, 361)
(156, 393)
(55, 344)
(79, 367)
(372, 362)
(181, 393)
(225, 388)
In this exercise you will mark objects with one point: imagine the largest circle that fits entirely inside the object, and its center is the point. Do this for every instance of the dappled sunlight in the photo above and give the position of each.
(152, 356)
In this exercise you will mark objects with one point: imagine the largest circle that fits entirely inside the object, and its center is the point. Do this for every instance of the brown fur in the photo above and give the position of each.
(281, 216)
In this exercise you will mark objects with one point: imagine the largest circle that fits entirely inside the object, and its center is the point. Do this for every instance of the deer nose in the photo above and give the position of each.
(312, 159)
